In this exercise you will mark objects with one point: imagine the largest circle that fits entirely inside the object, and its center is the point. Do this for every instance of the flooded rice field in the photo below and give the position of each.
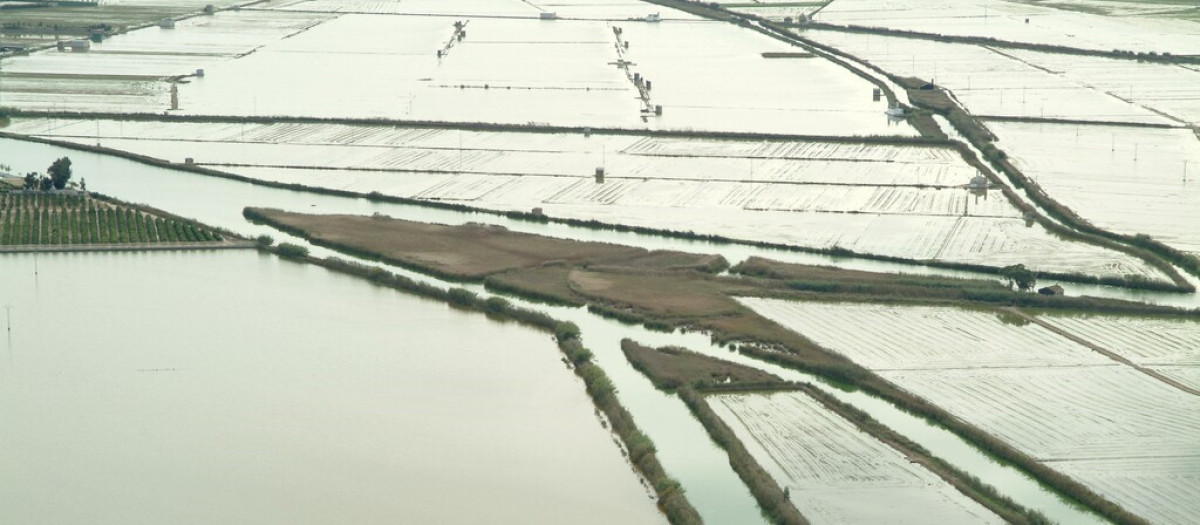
(1012, 83)
(1065, 404)
(832, 467)
(512, 69)
(1074, 24)
(282, 392)
(1132, 181)
(894, 200)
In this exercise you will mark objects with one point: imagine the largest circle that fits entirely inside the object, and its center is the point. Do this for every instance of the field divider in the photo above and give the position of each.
(1101, 350)
(474, 126)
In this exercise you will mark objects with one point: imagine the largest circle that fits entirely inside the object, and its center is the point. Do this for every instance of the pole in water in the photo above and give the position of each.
(8, 317)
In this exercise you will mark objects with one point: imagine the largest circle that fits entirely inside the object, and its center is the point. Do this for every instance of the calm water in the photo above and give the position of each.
(232, 387)
(684, 448)
(686, 451)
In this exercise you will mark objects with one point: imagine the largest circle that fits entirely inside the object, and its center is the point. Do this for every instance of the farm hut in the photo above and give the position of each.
(1051, 290)
(979, 182)
(600, 175)
(547, 15)
(79, 46)
(167, 23)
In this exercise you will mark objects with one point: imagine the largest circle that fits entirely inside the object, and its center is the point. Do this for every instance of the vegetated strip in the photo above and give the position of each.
(1180, 284)
(1166, 58)
(686, 369)
(469, 126)
(1104, 351)
(690, 375)
(672, 499)
(1076, 122)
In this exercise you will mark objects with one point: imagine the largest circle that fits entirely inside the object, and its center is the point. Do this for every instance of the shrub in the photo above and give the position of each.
(461, 296)
(566, 330)
(292, 251)
(264, 240)
(497, 305)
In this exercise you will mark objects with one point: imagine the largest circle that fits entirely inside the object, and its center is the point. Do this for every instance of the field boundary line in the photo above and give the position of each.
(1102, 351)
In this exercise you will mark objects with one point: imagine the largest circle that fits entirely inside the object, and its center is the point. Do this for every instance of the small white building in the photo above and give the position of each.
(79, 46)
(547, 15)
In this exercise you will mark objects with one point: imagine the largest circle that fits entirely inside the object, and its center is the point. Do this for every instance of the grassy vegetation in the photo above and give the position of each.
(466, 252)
(55, 219)
(671, 368)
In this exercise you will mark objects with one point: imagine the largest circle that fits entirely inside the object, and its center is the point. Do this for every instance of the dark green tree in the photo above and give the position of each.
(1019, 275)
(31, 181)
(60, 172)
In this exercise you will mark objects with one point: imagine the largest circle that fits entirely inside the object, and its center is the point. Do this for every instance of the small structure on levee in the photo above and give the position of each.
(1052, 290)
(979, 182)
(547, 15)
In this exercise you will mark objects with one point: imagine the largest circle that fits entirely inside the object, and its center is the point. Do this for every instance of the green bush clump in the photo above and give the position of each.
(292, 251)
(461, 296)
(566, 330)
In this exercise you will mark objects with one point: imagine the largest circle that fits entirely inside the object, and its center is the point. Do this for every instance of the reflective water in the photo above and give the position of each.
(684, 449)
(234, 387)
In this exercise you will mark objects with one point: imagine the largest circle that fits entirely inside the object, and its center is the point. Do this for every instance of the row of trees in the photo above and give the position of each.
(94, 226)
